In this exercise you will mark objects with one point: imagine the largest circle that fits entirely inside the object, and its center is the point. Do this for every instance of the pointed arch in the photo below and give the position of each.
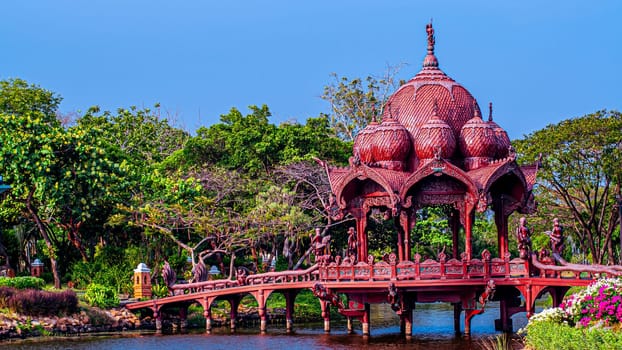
(362, 173)
(438, 167)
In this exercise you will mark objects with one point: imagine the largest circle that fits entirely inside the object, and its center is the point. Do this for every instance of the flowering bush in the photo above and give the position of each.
(583, 320)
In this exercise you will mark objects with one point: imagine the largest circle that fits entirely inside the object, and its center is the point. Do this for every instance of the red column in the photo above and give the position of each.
(361, 225)
(468, 221)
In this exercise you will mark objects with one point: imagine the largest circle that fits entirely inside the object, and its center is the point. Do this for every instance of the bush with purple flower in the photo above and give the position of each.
(588, 319)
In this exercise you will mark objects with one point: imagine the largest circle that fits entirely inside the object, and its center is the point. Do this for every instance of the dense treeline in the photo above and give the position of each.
(95, 195)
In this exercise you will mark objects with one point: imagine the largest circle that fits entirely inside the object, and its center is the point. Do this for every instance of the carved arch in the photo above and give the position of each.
(364, 172)
(438, 167)
(505, 169)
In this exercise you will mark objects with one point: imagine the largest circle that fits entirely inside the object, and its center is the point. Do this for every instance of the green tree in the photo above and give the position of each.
(355, 102)
(580, 177)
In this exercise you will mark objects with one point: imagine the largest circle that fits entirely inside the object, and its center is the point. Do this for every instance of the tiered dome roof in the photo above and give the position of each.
(477, 140)
(503, 140)
(392, 144)
(436, 115)
(436, 138)
(363, 143)
(416, 98)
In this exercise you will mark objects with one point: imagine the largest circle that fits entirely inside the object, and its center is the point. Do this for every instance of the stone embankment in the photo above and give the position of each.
(86, 321)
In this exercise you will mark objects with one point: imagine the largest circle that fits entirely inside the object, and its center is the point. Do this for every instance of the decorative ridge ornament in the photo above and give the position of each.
(430, 60)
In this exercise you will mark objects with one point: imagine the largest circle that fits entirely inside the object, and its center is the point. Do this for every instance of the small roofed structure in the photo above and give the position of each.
(431, 148)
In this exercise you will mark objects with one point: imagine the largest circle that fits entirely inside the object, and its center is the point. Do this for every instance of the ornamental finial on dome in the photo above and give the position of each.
(489, 112)
(430, 60)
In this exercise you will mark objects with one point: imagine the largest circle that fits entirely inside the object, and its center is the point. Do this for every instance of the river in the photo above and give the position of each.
(432, 329)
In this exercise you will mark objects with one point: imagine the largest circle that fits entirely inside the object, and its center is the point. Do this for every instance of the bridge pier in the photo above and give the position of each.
(158, 319)
(457, 312)
(366, 319)
(325, 315)
(207, 313)
(290, 297)
(234, 301)
(406, 322)
(183, 317)
(349, 326)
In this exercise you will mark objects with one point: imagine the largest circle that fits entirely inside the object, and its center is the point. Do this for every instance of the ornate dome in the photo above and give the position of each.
(415, 99)
(503, 141)
(391, 144)
(363, 143)
(478, 142)
(435, 138)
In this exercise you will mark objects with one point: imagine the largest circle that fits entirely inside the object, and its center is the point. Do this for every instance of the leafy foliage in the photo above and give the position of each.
(101, 296)
(580, 177)
(25, 282)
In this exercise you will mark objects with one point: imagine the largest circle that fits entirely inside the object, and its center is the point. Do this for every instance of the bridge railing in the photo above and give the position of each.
(428, 269)
(548, 269)
(310, 274)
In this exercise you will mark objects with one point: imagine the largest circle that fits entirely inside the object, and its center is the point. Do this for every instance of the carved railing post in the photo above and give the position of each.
(441, 258)
(465, 267)
(486, 261)
(393, 263)
(506, 262)
(370, 265)
(417, 266)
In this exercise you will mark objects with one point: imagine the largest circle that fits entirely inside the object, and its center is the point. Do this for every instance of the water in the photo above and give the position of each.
(432, 330)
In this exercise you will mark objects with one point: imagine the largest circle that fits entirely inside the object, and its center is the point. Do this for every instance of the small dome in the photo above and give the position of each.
(435, 135)
(363, 143)
(391, 144)
(477, 141)
(503, 140)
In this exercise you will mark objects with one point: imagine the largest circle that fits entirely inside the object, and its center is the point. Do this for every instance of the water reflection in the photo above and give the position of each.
(432, 329)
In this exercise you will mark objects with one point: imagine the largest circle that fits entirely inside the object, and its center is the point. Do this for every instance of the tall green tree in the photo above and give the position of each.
(580, 178)
(354, 102)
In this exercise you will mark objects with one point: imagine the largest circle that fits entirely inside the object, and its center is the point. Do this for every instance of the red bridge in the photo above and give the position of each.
(468, 285)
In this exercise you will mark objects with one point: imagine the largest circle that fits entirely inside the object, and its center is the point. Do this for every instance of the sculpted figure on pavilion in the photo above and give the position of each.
(430, 148)
(523, 235)
(557, 238)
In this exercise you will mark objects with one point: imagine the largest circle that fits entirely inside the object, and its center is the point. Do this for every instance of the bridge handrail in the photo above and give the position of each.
(309, 274)
(550, 270)
(429, 269)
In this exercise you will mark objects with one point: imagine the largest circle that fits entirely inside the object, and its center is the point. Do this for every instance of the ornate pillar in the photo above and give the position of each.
(406, 222)
(361, 225)
(501, 221)
(468, 229)
(400, 237)
(454, 225)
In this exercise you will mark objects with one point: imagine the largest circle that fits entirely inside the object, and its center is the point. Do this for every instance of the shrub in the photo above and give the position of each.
(551, 335)
(101, 296)
(41, 303)
(26, 282)
(588, 319)
(5, 294)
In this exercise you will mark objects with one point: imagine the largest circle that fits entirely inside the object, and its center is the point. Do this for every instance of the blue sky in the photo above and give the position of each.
(538, 61)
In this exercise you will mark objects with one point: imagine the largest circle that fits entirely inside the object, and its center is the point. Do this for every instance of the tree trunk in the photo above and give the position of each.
(46, 237)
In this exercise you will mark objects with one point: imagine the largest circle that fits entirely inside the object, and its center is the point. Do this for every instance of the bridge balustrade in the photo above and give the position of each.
(429, 269)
